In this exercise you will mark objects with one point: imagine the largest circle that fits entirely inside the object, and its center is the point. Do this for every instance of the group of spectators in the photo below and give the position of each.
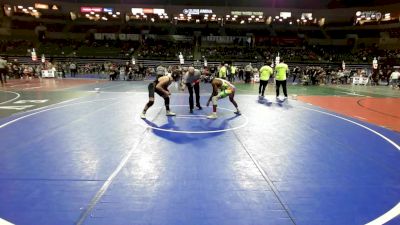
(309, 75)
(110, 70)
(250, 73)
(149, 48)
(299, 54)
(17, 70)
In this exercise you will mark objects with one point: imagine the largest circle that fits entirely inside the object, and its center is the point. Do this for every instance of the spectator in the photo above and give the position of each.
(248, 72)
(3, 71)
(394, 78)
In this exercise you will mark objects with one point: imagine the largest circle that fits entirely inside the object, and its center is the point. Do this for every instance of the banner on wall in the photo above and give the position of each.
(114, 36)
(197, 11)
(246, 13)
(85, 9)
(182, 38)
(223, 39)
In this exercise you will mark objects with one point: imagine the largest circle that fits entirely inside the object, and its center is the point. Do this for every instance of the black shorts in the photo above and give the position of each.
(152, 90)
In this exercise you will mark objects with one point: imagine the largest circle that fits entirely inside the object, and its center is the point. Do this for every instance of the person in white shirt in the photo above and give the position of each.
(3, 70)
(73, 69)
(161, 71)
(248, 69)
(191, 79)
(394, 78)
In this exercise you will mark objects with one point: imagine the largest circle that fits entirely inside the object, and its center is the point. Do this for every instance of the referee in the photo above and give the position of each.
(192, 81)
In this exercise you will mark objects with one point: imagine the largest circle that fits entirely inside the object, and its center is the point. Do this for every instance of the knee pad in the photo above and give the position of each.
(214, 100)
(150, 103)
(166, 100)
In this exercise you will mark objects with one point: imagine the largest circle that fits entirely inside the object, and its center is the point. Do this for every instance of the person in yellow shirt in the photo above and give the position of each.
(265, 72)
(233, 73)
(281, 70)
(222, 71)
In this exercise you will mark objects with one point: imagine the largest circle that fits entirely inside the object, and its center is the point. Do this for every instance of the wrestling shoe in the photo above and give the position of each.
(238, 112)
(199, 107)
(143, 115)
(212, 116)
(169, 113)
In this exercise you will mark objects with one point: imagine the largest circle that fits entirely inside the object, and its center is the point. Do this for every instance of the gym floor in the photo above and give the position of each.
(74, 154)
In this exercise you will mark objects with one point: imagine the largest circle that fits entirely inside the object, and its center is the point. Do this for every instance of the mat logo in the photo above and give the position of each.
(19, 107)
(22, 107)
(31, 101)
